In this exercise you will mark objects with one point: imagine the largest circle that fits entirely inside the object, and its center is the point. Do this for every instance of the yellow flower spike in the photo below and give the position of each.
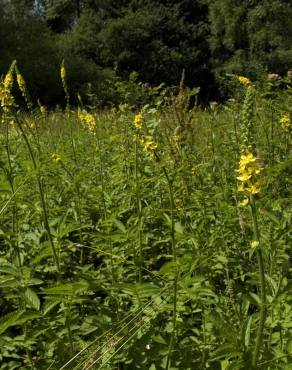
(56, 157)
(248, 171)
(244, 80)
(21, 83)
(8, 81)
(87, 119)
(149, 144)
(63, 71)
(138, 120)
(285, 121)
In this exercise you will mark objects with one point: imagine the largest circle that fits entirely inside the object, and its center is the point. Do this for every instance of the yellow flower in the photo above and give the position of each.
(254, 244)
(63, 72)
(253, 189)
(248, 171)
(149, 145)
(56, 157)
(244, 202)
(244, 176)
(21, 83)
(8, 81)
(6, 98)
(87, 119)
(244, 80)
(285, 121)
(246, 159)
(138, 120)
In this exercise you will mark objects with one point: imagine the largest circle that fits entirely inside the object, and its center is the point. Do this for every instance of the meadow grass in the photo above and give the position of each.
(127, 243)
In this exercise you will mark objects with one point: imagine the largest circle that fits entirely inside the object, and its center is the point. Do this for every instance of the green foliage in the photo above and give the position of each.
(157, 265)
(155, 40)
(251, 37)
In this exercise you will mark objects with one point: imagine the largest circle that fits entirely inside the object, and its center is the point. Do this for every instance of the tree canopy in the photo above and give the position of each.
(101, 40)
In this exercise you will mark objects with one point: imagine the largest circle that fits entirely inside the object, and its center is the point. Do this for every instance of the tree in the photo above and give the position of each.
(251, 36)
(157, 41)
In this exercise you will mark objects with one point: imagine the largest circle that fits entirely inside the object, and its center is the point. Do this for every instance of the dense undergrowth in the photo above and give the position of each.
(127, 241)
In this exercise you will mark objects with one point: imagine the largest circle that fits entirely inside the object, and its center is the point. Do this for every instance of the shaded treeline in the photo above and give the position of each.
(103, 41)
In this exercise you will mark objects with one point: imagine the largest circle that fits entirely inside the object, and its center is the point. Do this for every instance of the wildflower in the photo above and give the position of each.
(285, 121)
(8, 81)
(6, 98)
(22, 87)
(63, 71)
(244, 202)
(87, 119)
(244, 80)
(248, 171)
(56, 157)
(138, 120)
(254, 244)
(149, 145)
(21, 83)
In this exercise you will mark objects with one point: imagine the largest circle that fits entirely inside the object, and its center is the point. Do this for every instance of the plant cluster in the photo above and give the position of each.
(124, 240)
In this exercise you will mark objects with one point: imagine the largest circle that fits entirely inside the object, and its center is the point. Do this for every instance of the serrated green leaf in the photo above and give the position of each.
(32, 298)
(9, 320)
(68, 289)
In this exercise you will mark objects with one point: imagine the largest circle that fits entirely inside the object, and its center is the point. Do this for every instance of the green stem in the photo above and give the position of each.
(10, 179)
(79, 211)
(174, 259)
(259, 337)
(139, 211)
(68, 325)
(41, 192)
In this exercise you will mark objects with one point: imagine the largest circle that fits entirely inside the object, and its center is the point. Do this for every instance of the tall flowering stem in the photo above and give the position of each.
(41, 192)
(174, 259)
(250, 185)
(138, 123)
(63, 74)
(151, 147)
(7, 104)
(263, 308)
(22, 87)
